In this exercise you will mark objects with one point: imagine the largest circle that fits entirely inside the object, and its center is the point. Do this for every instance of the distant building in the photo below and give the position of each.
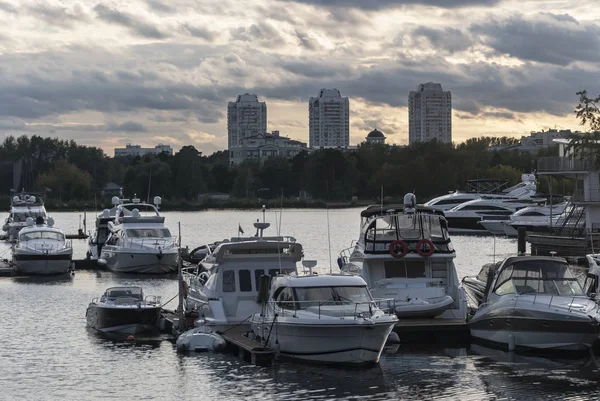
(111, 189)
(429, 114)
(375, 137)
(262, 146)
(137, 150)
(329, 120)
(246, 117)
(544, 139)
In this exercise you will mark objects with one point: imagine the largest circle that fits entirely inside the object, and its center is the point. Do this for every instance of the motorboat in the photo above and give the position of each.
(328, 318)
(100, 235)
(536, 303)
(139, 241)
(41, 249)
(223, 287)
(124, 310)
(483, 188)
(405, 253)
(530, 217)
(200, 339)
(22, 206)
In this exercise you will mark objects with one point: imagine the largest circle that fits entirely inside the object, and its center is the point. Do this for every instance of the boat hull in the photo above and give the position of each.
(346, 344)
(124, 320)
(42, 264)
(138, 262)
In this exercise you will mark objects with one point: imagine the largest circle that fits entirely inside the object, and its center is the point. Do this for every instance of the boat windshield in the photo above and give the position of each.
(49, 235)
(538, 277)
(319, 296)
(148, 233)
(117, 292)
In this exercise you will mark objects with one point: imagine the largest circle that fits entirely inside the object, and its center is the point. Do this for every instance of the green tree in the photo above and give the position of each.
(67, 181)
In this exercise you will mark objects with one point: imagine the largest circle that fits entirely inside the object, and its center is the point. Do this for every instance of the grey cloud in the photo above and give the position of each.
(306, 41)
(546, 38)
(127, 126)
(12, 125)
(449, 39)
(161, 7)
(314, 68)
(7, 7)
(59, 16)
(134, 24)
(261, 32)
(385, 4)
(200, 32)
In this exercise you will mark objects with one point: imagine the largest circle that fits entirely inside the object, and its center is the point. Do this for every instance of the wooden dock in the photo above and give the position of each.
(433, 331)
(250, 350)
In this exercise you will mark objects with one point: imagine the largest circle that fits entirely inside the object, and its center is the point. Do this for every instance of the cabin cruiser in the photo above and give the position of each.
(41, 249)
(139, 241)
(535, 302)
(528, 217)
(124, 310)
(223, 287)
(405, 253)
(23, 206)
(323, 318)
(98, 238)
(483, 188)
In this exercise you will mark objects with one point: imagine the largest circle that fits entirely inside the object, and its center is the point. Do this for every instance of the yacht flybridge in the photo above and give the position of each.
(223, 287)
(405, 253)
(22, 206)
(139, 241)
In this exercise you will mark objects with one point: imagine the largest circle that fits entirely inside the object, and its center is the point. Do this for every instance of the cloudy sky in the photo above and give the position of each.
(148, 71)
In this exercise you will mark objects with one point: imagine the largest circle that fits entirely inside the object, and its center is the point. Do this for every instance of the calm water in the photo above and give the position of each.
(46, 352)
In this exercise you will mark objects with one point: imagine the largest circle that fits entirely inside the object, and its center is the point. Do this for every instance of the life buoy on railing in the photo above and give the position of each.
(425, 248)
(398, 248)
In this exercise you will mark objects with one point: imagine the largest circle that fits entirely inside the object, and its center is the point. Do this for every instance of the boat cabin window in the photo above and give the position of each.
(538, 277)
(148, 233)
(404, 269)
(21, 217)
(257, 274)
(49, 235)
(245, 281)
(285, 299)
(322, 296)
(117, 292)
(229, 281)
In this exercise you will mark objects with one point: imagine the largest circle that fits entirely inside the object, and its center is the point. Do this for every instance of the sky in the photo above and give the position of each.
(162, 71)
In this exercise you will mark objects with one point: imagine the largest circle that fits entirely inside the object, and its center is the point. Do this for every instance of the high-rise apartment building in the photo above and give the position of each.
(245, 117)
(429, 114)
(329, 120)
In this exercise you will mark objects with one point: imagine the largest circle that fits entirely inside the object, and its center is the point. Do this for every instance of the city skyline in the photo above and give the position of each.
(151, 71)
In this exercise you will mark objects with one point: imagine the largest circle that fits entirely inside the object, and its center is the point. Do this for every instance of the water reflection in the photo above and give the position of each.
(60, 279)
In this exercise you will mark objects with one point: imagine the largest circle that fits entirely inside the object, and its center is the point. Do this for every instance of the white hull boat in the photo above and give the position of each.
(23, 206)
(534, 302)
(326, 319)
(140, 261)
(200, 339)
(41, 249)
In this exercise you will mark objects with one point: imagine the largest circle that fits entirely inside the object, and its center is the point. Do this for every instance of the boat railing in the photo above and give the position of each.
(145, 243)
(550, 303)
(352, 310)
(153, 299)
(344, 257)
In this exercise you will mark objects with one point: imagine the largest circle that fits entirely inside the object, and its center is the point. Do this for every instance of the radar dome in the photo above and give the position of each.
(135, 213)
(410, 200)
(31, 199)
(50, 222)
(29, 221)
(157, 200)
(15, 199)
(106, 213)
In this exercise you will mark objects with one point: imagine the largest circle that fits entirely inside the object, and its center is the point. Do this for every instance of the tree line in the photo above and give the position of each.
(68, 171)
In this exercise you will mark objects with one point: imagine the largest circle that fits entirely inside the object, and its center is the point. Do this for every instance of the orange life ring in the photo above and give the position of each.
(421, 249)
(398, 248)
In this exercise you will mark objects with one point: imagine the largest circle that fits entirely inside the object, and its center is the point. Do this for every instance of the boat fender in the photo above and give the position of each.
(425, 248)
(398, 248)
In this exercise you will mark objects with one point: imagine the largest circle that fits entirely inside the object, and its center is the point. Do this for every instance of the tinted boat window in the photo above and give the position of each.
(245, 281)
(229, 281)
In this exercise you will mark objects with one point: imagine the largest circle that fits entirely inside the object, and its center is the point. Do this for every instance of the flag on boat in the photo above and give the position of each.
(240, 229)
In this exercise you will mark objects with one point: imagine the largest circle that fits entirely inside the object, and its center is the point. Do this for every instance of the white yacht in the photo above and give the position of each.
(124, 310)
(22, 206)
(483, 188)
(323, 318)
(406, 254)
(535, 302)
(139, 241)
(224, 286)
(529, 217)
(41, 249)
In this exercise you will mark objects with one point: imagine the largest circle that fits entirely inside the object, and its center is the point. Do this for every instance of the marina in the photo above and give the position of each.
(458, 367)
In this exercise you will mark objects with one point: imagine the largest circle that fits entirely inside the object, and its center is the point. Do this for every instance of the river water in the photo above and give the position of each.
(47, 353)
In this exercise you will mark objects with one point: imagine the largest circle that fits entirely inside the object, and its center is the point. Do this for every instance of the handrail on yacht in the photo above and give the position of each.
(355, 314)
(141, 243)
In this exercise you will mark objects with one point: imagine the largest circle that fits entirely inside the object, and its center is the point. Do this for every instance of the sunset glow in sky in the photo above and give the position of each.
(148, 71)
